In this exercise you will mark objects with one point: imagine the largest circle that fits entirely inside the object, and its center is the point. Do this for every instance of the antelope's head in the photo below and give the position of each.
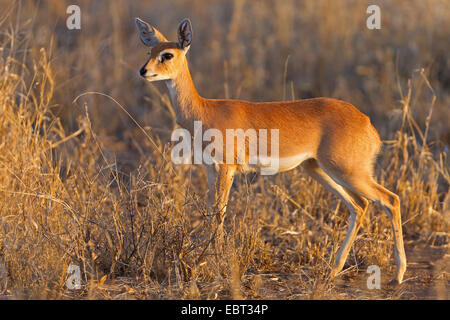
(166, 58)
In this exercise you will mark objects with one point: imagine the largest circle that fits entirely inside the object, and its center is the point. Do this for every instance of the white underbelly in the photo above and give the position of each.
(283, 164)
(294, 161)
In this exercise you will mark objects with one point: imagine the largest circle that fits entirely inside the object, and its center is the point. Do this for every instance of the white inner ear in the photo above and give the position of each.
(149, 36)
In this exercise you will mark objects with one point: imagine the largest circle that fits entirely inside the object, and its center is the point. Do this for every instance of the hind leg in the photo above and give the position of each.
(355, 203)
(391, 204)
(356, 220)
(363, 185)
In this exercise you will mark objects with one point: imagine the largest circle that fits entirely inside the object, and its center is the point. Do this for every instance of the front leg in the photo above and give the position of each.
(219, 184)
(212, 179)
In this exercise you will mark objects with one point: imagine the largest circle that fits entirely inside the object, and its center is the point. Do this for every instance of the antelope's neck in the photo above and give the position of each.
(186, 101)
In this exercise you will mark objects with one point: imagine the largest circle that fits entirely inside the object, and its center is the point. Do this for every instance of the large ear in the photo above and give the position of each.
(149, 35)
(185, 34)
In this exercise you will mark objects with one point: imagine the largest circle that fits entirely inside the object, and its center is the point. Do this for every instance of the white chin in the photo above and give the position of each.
(156, 78)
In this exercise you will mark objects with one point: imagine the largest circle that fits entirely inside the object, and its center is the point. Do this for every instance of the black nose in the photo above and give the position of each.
(143, 71)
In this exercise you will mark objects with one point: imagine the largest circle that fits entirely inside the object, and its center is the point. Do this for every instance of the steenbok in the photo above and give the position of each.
(335, 142)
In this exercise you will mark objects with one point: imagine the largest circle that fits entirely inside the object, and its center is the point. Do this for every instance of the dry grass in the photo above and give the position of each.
(81, 184)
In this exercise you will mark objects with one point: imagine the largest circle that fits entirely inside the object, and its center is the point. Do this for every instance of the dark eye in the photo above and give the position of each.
(166, 56)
